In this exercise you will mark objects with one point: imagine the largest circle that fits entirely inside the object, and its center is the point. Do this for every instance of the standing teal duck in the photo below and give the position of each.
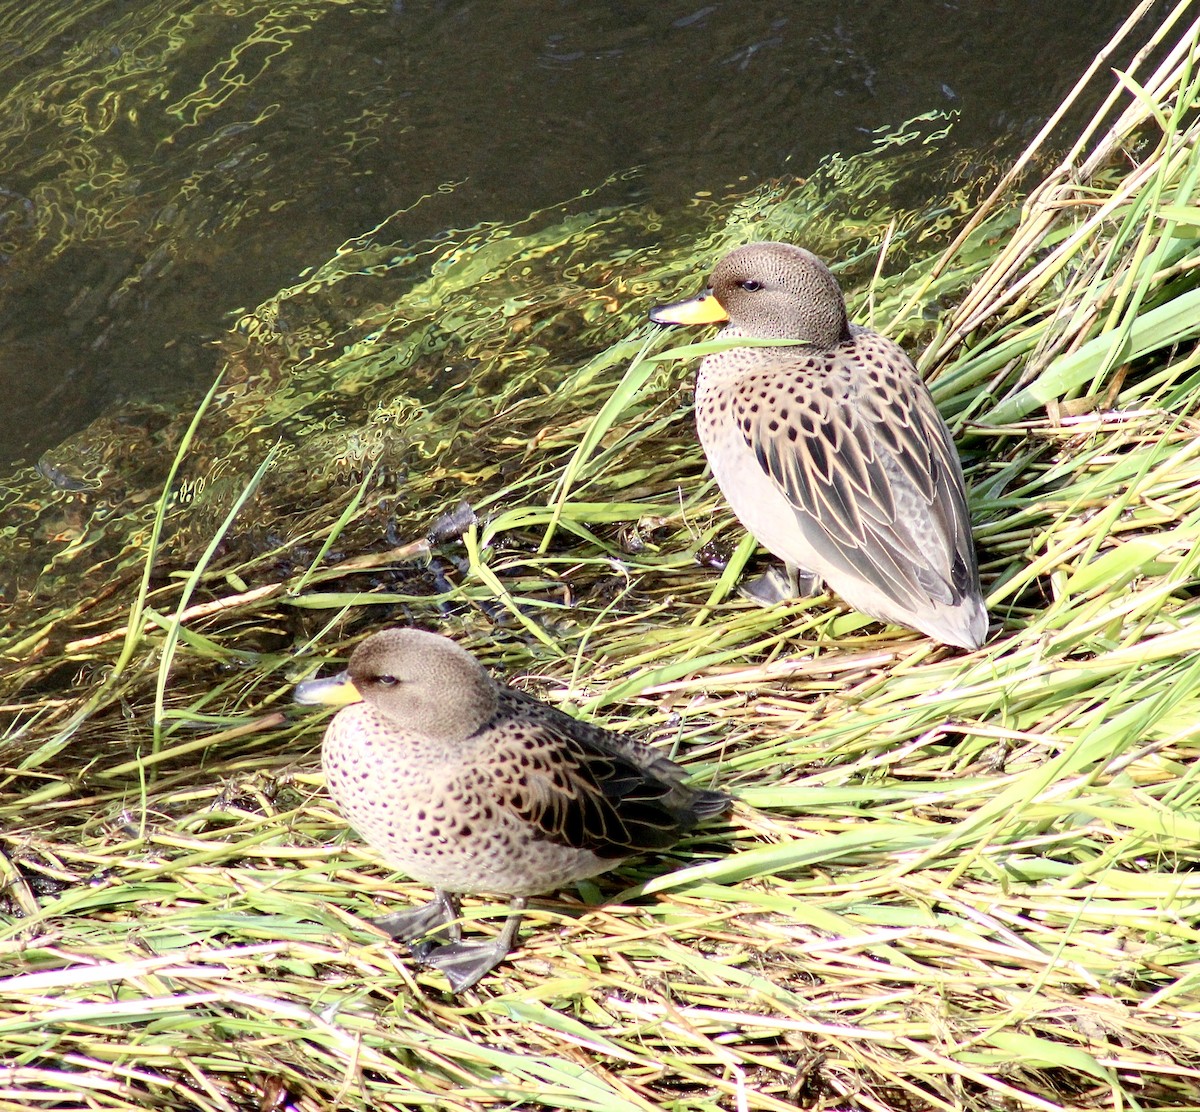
(470, 786)
(831, 450)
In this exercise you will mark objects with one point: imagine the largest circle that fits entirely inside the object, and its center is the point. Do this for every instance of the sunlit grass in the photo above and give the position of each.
(952, 881)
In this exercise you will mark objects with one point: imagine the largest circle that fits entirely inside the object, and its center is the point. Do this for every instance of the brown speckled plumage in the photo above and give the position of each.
(471, 786)
(831, 452)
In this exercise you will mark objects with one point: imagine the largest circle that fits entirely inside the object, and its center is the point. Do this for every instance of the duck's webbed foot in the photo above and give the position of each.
(416, 922)
(779, 584)
(465, 963)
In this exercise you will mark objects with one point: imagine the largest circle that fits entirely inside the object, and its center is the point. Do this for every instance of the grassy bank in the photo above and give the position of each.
(951, 881)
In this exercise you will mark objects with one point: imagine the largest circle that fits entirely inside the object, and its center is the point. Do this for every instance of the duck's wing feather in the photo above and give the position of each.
(860, 451)
(588, 788)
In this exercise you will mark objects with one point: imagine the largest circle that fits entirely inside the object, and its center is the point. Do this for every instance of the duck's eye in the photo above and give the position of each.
(387, 681)
(750, 284)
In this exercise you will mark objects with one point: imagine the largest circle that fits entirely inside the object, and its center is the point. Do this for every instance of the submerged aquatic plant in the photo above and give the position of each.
(951, 881)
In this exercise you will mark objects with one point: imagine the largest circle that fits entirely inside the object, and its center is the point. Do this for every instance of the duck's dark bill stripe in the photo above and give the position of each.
(704, 309)
(336, 691)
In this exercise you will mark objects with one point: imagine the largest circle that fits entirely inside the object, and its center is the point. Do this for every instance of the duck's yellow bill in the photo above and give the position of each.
(704, 309)
(335, 691)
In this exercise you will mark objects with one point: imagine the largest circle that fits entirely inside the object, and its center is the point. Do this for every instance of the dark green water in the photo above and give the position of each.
(164, 163)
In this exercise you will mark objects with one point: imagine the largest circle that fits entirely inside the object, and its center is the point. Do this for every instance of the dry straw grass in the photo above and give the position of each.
(953, 881)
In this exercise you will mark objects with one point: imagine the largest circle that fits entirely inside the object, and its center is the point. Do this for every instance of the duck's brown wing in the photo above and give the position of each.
(854, 441)
(588, 788)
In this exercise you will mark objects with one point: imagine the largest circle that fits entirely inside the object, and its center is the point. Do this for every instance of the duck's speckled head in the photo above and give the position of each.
(421, 681)
(769, 290)
(780, 291)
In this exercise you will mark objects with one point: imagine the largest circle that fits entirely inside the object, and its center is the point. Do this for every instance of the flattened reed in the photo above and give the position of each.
(952, 881)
